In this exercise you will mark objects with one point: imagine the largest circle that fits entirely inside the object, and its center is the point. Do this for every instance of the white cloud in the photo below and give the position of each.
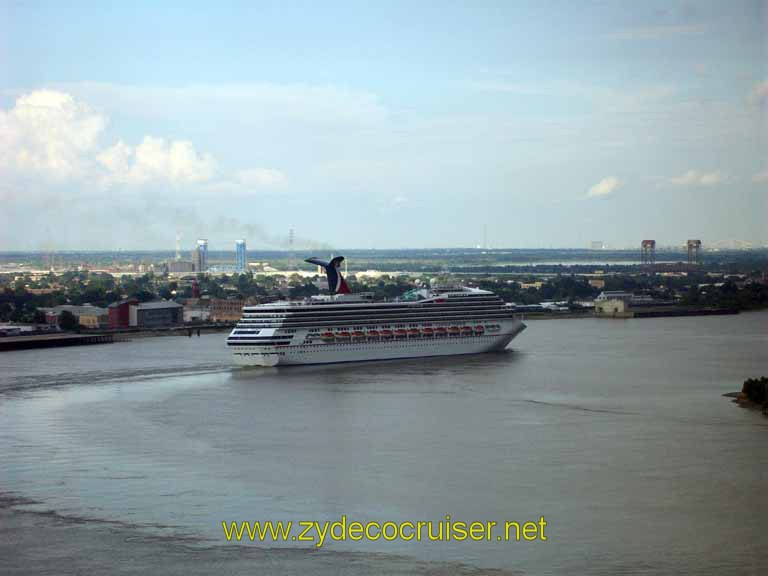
(605, 187)
(154, 159)
(694, 178)
(50, 134)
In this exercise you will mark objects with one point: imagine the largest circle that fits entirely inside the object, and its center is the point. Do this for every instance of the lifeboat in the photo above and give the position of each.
(327, 335)
(400, 332)
(386, 333)
(358, 334)
(342, 334)
(453, 330)
(479, 329)
(414, 332)
(466, 329)
(427, 331)
(440, 331)
(373, 333)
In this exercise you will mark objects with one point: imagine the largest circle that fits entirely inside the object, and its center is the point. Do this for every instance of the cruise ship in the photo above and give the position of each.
(345, 327)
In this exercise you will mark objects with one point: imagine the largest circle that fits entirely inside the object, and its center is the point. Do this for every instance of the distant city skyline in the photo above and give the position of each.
(393, 125)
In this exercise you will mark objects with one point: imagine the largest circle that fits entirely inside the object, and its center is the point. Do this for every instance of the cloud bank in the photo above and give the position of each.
(50, 135)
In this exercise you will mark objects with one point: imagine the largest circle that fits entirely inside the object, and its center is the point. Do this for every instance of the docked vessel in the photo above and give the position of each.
(345, 327)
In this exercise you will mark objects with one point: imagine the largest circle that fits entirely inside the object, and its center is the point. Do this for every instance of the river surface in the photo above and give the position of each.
(125, 458)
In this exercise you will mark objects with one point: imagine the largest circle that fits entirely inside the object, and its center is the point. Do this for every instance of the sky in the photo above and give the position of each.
(391, 124)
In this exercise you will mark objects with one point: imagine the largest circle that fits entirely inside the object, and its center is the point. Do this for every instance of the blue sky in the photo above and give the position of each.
(397, 124)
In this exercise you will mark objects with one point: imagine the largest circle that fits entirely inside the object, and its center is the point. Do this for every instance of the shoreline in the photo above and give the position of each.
(743, 401)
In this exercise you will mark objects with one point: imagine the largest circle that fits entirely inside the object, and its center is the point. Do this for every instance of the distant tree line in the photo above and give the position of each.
(20, 303)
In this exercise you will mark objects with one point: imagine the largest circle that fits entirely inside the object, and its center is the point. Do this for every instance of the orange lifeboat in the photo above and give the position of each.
(327, 335)
(400, 332)
(414, 332)
(440, 331)
(479, 329)
(358, 334)
(466, 329)
(427, 331)
(373, 333)
(453, 330)
(342, 334)
(386, 333)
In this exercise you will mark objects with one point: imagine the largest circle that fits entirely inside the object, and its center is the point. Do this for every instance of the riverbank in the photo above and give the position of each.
(10, 343)
(85, 337)
(754, 394)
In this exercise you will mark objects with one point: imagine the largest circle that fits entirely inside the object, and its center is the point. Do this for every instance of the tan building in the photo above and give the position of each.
(87, 316)
(613, 308)
(228, 310)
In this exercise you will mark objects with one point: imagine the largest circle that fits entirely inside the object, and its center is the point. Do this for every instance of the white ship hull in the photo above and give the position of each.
(367, 350)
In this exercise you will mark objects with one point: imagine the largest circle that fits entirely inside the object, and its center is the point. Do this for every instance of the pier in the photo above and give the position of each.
(52, 340)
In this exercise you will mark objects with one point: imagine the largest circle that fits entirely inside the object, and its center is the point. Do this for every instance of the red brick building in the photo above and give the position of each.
(119, 313)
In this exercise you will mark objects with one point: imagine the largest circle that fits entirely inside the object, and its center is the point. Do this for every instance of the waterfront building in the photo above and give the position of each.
(627, 297)
(197, 309)
(613, 308)
(240, 256)
(87, 316)
(119, 313)
(614, 295)
(228, 310)
(158, 314)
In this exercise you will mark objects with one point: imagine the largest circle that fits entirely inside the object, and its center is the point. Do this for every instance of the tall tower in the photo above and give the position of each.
(178, 245)
(201, 256)
(648, 254)
(291, 256)
(240, 258)
(694, 249)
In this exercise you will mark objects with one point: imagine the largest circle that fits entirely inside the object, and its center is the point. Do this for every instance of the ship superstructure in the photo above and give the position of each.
(343, 327)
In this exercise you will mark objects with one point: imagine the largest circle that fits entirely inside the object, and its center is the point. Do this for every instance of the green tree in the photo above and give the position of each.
(68, 321)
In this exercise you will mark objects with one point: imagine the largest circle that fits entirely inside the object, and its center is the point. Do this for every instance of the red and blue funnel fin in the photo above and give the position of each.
(336, 282)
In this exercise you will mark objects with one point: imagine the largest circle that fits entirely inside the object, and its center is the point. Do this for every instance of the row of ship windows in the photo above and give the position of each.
(387, 308)
(282, 331)
(481, 298)
(362, 313)
(303, 349)
(375, 343)
(250, 323)
(358, 327)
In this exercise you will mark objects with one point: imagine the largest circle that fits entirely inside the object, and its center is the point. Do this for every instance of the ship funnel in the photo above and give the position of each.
(336, 282)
